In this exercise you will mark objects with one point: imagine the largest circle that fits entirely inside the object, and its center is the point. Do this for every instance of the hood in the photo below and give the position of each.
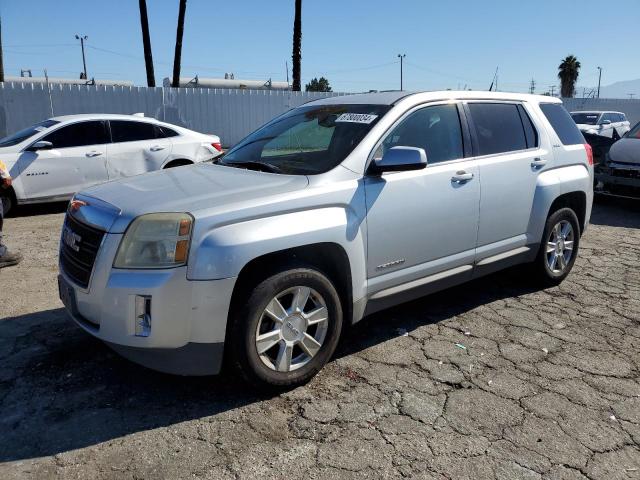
(189, 189)
(626, 150)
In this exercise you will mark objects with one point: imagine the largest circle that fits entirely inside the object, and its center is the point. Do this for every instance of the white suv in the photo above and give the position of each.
(331, 211)
(55, 158)
(605, 124)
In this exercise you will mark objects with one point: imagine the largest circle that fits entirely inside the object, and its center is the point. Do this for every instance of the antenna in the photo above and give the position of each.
(494, 82)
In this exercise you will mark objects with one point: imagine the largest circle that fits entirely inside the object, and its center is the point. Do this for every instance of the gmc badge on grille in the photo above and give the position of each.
(71, 239)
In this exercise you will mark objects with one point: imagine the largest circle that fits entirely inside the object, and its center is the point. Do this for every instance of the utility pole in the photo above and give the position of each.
(532, 86)
(401, 57)
(631, 95)
(599, 78)
(1, 60)
(553, 88)
(146, 43)
(82, 38)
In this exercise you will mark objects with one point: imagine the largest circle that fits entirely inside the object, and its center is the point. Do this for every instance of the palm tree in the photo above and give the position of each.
(568, 72)
(297, 45)
(146, 42)
(178, 53)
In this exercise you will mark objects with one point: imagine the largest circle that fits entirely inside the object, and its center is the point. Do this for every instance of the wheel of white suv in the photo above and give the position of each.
(287, 329)
(559, 247)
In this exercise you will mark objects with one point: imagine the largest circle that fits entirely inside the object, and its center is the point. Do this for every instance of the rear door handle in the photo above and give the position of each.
(94, 153)
(156, 148)
(538, 162)
(461, 177)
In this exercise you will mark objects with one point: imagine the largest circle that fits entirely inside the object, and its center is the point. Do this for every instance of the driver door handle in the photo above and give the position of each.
(538, 162)
(461, 177)
(94, 153)
(156, 148)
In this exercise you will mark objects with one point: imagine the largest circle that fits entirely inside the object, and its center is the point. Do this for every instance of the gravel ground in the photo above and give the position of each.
(546, 386)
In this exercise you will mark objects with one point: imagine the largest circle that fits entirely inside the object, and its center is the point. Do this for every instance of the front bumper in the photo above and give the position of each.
(187, 318)
(618, 179)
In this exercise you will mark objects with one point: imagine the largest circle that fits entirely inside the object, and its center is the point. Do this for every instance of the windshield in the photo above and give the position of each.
(586, 118)
(634, 132)
(22, 135)
(306, 140)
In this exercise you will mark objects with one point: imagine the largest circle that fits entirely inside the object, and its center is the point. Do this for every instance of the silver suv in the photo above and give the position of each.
(331, 211)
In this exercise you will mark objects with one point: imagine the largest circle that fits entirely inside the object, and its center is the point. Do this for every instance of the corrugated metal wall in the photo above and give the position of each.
(231, 114)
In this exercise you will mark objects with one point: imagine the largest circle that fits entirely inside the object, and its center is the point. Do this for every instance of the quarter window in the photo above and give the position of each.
(562, 123)
(79, 135)
(530, 132)
(499, 127)
(435, 129)
(124, 131)
(164, 132)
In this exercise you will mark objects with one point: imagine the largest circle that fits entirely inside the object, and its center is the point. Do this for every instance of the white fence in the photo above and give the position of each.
(231, 114)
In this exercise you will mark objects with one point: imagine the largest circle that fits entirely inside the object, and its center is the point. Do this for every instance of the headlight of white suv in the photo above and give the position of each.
(156, 240)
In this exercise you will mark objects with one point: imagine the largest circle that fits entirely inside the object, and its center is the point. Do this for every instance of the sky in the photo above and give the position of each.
(354, 43)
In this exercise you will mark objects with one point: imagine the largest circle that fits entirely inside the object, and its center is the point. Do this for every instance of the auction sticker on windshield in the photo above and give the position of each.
(356, 118)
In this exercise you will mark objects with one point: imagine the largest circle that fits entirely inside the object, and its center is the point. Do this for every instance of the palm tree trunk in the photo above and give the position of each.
(178, 53)
(146, 42)
(297, 46)
(1, 59)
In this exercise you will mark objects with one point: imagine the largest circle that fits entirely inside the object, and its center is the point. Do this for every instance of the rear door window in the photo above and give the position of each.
(562, 123)
(125, 131)
(79, 135)
(499, 128)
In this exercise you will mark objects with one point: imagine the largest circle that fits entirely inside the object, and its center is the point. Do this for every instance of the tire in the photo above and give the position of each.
(269, 367)
(552, 266)
(177, 163)
(8, 202)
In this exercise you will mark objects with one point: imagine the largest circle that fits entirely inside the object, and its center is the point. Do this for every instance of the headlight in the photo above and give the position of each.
(156, 240)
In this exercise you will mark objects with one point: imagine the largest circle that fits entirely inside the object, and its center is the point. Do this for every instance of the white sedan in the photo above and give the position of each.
(55, 158)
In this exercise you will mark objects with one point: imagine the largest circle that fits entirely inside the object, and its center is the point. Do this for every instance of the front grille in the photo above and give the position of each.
(78, 262)
(625, 173)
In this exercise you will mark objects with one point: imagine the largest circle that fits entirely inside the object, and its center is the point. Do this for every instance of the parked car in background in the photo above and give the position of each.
(336, 209)
(606, 124)
(57, 157)
(619, 175)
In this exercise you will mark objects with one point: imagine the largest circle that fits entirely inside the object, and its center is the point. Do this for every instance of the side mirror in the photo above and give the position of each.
(606, 122)
(41, 145)
(400, 159)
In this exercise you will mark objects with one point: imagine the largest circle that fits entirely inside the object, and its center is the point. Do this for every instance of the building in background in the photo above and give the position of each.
(228, 82)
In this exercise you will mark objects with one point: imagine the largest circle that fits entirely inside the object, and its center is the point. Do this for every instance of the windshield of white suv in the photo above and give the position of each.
(585, 118)
(22, 135)
(306, 140)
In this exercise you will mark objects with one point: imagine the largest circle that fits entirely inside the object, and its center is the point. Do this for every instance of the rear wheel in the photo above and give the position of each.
(559, 247)
(177, 163)
(287, 330)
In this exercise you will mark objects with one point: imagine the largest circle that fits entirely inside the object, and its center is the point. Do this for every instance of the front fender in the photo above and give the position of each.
(223, 251)
(550, 185)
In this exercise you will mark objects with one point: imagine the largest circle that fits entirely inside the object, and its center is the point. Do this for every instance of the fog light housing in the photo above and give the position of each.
(143, 315)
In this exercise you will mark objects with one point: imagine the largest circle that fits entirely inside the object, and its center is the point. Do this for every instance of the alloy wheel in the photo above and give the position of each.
(292, 329)
(560, 246)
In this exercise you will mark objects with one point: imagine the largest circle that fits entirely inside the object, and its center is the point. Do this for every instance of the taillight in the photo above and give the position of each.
(589, 150)
(217, 146)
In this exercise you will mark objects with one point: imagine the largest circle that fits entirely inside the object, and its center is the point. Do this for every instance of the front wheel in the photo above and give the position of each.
(287, 330)
(559, 247)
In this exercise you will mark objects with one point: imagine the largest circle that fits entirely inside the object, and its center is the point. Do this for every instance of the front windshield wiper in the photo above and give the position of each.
(253, 165)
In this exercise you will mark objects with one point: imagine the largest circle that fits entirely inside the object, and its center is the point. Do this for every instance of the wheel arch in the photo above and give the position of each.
(177, 162)
(329, 258)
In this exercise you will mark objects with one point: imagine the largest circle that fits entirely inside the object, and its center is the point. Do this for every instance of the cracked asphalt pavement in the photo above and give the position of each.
(493, 379)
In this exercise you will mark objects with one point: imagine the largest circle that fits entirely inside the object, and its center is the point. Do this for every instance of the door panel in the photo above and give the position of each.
(423, 222)
(138, 147)
(76, 161)
(513, 153)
